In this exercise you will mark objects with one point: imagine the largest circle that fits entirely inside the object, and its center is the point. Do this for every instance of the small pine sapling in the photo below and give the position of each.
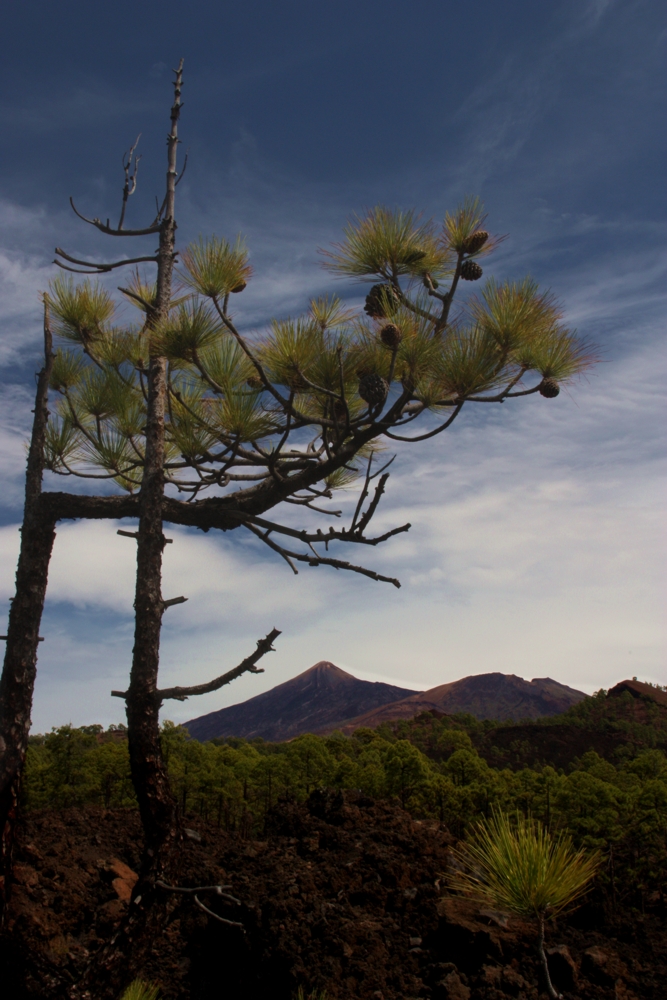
(141, 990)
(518, 866)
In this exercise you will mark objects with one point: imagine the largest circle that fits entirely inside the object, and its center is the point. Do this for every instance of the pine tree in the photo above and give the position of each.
(520, 867)
(185, 403)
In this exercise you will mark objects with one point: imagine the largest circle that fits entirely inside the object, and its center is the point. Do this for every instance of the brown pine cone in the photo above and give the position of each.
(391, 336)
(373, 389)
(475, 241)
(381, 301)
(471, 271)
(549, 388)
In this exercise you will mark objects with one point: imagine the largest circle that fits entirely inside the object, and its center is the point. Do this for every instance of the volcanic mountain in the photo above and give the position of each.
(322, 698)
(325, 698)
(486, 696)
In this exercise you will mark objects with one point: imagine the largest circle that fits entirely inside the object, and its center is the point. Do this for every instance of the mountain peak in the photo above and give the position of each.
(322, 697)
(325, 672)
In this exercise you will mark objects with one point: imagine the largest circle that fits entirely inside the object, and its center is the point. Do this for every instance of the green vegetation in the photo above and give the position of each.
(140, 990)
(311, 996)
(521, 868)
(431, 767)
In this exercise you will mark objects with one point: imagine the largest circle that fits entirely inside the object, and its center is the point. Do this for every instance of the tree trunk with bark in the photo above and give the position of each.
(157, 805)
(156, 802)
(25, 616)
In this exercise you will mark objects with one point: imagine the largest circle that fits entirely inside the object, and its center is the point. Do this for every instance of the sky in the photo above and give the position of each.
(538, 542)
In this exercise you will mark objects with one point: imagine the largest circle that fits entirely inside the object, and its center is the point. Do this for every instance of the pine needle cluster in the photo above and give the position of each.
(139, 989)
(517, 865)
(237, 405)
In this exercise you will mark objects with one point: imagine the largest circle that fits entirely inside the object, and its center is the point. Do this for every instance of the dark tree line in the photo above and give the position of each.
(618, 808)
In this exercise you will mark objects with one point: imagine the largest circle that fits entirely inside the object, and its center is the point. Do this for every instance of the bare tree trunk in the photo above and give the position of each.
(156, 802)
(157, 805)
(554, 994)
(25, 616)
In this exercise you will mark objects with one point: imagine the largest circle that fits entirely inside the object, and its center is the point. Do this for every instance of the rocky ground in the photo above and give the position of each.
(343, 895)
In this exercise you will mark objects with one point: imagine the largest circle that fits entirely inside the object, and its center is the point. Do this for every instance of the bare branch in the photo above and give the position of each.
(172, 601)
(40, 638)
(217, 889)
(222, 920)
(135, 535)
(372, 507)
(308, 502)
(504, 395)
(137, 298)
(185, 163)
(264, 646)
(430, 434)
(333, 535)
(130, 185)
(315, 560)
(109, 230)
(97, 268)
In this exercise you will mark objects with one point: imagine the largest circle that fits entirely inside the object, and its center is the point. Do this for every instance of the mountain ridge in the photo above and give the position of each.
(325, 698)
(486, 696)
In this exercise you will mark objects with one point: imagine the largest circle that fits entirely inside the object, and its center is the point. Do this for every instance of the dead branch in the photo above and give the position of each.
(109, 230)
(130, 185)
(332, 535)
(316, 560)
(185, 164)
(97, 268)
(174, 600)
(135, 534)
(264, 646)
(217, 889)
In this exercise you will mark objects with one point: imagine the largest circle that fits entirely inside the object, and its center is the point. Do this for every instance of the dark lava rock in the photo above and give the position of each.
(334, 897)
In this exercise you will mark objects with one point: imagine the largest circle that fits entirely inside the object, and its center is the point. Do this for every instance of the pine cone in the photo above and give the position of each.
(381, 301)
(549, 388)
(239, 288)
(475, 241)
(391, 336)
(471, 271)
(373, 389)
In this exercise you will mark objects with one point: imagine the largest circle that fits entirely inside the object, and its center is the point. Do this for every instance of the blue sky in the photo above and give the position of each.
(538, 546)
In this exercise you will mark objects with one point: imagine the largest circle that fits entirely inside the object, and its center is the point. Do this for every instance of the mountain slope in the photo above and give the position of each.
(323, 697)
(486, 696)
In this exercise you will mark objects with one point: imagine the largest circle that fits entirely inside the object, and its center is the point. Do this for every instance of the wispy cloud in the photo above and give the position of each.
(536, 545)
(534, 550)
(592, 12)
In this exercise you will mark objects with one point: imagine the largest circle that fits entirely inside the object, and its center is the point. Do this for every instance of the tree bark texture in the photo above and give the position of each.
(113, 967)
(156, 803)
(25, 616)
